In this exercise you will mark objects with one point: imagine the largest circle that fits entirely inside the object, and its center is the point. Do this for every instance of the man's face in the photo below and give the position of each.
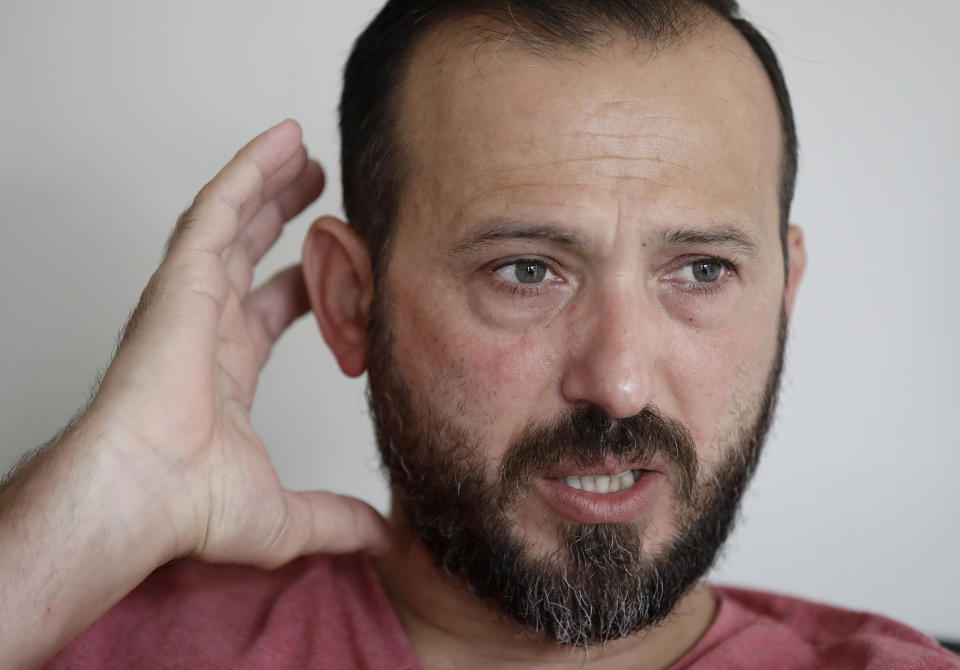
(586, 281)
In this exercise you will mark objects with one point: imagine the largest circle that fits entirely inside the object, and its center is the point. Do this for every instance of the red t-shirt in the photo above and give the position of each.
(331, 612)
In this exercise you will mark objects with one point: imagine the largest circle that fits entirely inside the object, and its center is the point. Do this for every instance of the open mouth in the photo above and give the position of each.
(619, 494)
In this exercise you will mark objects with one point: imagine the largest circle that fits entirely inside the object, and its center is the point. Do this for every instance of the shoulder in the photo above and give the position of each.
(762, 629)
(194, 584)
(190, 614)
(189, 593)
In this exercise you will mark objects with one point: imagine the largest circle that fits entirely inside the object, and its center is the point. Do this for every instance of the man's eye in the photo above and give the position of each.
(529, 273)
(525, 272)
(707, 271)
(703, 271)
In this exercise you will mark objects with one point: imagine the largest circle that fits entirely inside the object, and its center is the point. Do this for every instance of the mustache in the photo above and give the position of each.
(588, 436)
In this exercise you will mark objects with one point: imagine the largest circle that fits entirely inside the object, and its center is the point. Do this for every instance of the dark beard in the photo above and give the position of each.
(600, 585)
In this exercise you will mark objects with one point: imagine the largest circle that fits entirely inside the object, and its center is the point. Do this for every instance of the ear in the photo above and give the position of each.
(336, 268)
(797, 255)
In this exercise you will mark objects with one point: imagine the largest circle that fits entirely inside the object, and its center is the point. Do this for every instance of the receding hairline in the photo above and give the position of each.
(498, 22)
(472, 31)
(498, 28)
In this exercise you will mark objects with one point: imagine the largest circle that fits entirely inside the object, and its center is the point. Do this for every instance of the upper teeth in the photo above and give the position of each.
(603, 483)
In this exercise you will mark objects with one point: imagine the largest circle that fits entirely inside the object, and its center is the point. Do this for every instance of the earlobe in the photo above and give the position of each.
(336, 268)
(797, 255)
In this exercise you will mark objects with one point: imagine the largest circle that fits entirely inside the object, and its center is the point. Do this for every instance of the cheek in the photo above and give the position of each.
(717, 379)
(510, 315)
(487, 381)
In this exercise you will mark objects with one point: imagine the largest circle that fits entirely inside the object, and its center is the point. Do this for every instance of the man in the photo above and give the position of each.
(569, 274)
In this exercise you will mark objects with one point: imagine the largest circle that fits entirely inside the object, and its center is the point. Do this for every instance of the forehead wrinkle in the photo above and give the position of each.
(631, 136)
(481, 194)
(592, 160)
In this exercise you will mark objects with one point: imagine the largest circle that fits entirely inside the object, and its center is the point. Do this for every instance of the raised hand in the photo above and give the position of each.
(177, 397)
(164, 462)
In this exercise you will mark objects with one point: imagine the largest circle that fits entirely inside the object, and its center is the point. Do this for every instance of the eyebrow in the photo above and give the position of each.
(724, 235)
(498, 229)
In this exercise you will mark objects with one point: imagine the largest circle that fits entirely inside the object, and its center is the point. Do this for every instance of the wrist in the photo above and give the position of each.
(79, 530)
(141, 507)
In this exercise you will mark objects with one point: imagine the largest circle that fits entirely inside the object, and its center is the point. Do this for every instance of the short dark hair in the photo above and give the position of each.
(371, 161)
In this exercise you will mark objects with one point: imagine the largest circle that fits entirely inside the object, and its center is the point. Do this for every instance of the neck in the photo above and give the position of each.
(448, 627)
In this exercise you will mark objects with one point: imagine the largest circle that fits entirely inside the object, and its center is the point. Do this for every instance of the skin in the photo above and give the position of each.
(614, 156)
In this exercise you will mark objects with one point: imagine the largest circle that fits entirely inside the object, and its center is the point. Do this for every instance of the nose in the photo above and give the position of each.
(612, 358)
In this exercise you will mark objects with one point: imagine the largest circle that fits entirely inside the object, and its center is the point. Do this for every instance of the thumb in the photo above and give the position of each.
(323, 522)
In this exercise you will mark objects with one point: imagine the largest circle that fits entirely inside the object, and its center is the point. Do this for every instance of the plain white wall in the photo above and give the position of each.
(113, 114)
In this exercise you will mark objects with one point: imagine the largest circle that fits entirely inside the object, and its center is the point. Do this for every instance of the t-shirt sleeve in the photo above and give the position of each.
(754, 629)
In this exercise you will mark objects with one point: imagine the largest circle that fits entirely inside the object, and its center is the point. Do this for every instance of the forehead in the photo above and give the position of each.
(618, 131)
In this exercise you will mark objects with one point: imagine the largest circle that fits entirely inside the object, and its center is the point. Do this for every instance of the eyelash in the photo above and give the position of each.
(523, 291)
(711, 288)
(517, 289)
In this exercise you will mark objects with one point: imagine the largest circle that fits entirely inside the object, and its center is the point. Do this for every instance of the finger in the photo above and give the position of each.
(266, 226)
(262, 232)
(285, 174)
(273, 307)
(323, 522)
(236, 193)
